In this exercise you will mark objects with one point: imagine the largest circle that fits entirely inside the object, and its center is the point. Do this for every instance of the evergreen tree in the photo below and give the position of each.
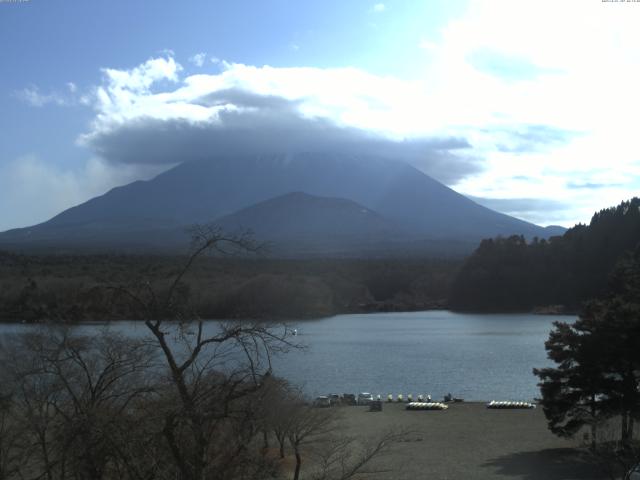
(598, 361)
(572, 392)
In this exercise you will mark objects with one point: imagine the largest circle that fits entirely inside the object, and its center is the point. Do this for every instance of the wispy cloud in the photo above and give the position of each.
(69, 96)
(591, 185)
(34, 97)
(379, 8)
(506, 66)
(542, 211)
(530, 138)
(518, 206)
(198, 59)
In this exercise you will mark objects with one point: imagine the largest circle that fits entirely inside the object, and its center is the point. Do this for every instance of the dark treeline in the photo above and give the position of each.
(511, 274)
(76, 287)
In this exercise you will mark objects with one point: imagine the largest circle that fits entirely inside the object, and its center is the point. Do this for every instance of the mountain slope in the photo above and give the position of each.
(297, 223)
(198, 192)
(299, 214)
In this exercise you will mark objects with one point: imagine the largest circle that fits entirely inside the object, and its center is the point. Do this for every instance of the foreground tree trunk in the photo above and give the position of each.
(296, 474)
(624, 436)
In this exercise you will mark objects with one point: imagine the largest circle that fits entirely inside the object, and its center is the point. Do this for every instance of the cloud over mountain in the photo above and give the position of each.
(150, 115)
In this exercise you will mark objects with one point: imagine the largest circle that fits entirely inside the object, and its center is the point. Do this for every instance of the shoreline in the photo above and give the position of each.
(536, 311)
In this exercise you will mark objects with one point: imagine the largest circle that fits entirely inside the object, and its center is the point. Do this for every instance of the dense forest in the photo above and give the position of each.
(66, 288)
(511, 274)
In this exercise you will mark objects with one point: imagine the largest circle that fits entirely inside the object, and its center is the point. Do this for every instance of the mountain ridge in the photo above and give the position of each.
(208, 190)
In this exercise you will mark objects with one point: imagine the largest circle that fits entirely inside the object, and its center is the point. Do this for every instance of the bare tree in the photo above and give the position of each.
(10, 439)
(214, 370)
(344, 456)
(317, 434)
(277, 400)
(69, 396)
(306, 425)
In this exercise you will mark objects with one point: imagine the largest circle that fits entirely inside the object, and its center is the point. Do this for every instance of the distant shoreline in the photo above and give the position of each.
(541, 312)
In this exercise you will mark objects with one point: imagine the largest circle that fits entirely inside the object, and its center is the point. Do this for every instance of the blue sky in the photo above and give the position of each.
(542, 96)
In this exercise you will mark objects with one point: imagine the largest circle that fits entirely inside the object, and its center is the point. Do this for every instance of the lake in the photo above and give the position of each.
(473, 356)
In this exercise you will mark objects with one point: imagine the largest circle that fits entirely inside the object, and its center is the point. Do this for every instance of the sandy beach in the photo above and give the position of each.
(469, 441)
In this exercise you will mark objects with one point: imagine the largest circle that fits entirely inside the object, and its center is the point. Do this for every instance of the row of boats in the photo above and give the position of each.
(423, 402)
(500, 404)
(492, 404)
(400, 398)
(427, 406)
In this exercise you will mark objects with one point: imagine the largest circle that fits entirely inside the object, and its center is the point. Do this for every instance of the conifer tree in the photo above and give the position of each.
(597, 373)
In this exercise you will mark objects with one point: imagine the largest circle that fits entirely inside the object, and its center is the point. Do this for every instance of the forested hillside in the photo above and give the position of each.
(511, 274)
(65, 288)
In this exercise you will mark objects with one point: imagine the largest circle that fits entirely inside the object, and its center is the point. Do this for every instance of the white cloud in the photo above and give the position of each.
(139, 79)
(198, 59)
(379, 8)
(345, 96)
(581, 76)
(127, 91)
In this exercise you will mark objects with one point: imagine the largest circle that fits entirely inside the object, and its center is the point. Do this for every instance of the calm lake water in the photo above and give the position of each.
(473, 356)
(476, 357)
